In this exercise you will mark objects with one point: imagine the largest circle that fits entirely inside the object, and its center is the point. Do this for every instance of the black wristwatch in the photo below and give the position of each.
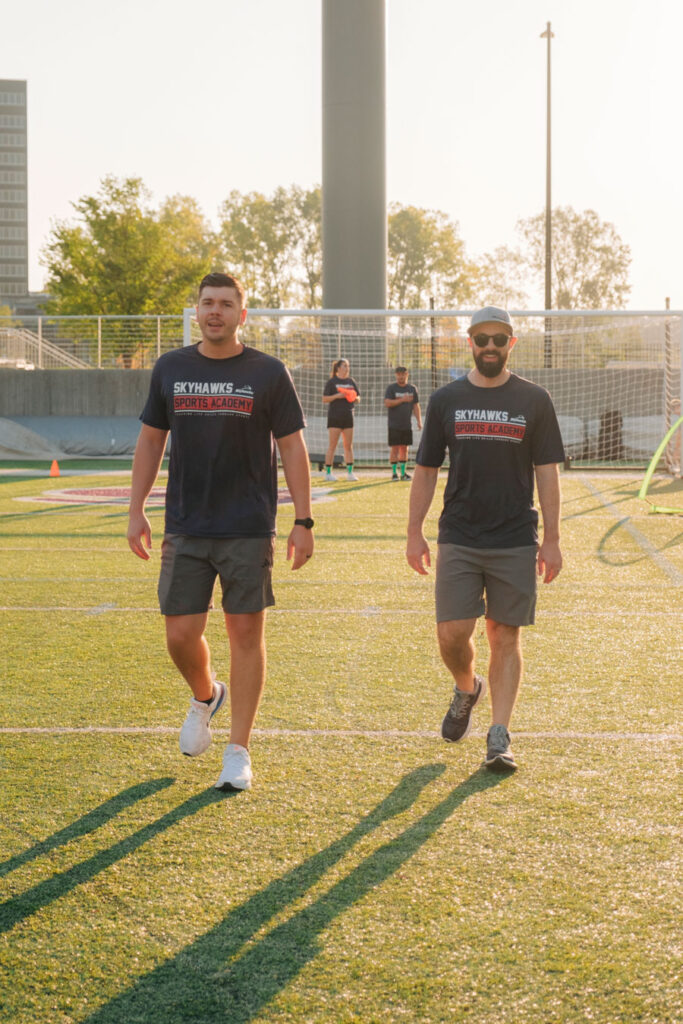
(308, 523)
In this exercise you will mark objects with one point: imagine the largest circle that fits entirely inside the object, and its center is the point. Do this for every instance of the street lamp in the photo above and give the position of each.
(548, 344)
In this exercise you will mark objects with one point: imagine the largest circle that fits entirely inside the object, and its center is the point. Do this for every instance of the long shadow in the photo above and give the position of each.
(210, 982)
(22, 906)
(87, 823)
(605, 556)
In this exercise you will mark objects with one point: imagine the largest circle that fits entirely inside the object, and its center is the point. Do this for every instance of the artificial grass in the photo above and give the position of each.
(373, 873)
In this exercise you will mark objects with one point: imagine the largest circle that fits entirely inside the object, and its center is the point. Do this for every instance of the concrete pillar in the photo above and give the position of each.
(354, 215)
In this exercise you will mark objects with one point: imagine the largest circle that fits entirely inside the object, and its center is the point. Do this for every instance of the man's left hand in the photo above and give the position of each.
(549, 560)
(300, 543)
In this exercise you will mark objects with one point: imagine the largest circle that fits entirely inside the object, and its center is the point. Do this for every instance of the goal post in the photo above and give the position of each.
(615, 376)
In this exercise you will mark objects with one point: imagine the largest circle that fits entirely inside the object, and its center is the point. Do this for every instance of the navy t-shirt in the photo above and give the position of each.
(340, 412)
(399, 416)
(223, 415)
(494, 438)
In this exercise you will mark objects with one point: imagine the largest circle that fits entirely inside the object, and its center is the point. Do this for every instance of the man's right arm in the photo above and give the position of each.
(421, 495)
(149, 452)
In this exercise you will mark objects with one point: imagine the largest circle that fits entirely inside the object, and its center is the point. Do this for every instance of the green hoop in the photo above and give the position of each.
(642, 493)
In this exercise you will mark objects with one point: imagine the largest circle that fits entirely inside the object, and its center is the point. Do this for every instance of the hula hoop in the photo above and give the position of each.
(642, 493)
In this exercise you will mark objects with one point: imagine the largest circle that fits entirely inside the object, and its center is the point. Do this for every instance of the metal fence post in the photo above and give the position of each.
(99, 343)
(40, 342)
(187, 325)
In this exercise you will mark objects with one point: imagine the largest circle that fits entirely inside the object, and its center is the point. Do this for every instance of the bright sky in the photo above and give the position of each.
(201, 99)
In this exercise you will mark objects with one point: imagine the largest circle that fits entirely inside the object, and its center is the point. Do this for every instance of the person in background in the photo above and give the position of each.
(402, 402)
(341, 396)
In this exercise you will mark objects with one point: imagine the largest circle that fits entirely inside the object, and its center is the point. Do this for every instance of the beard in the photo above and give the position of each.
(490, 367)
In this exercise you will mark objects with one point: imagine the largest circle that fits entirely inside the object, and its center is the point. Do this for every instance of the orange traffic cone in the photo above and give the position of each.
(54, 468)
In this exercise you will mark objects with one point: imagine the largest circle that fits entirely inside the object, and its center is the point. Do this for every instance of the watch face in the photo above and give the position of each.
(308, 523)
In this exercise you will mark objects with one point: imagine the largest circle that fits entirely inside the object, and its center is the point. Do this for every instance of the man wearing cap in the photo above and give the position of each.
(500, 431)
(402, 402)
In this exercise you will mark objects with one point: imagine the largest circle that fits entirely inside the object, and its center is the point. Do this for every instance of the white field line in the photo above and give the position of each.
(372, 612)
(377, 734)
(643, 542)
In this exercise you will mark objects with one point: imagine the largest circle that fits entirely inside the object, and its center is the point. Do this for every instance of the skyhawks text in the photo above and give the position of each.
(212, 397)
(489, 425)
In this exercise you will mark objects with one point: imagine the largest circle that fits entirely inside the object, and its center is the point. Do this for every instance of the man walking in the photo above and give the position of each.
(225, 405)
(402, 402)
(499, 430)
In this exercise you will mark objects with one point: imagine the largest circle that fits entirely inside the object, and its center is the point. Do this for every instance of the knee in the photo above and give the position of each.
(454, 637)
(180, 634)
(245, 631)
(502, 636)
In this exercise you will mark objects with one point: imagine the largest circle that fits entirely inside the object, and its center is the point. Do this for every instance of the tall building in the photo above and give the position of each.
(13, 194)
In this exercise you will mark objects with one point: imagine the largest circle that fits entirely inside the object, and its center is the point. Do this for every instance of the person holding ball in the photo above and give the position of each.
(341, 395)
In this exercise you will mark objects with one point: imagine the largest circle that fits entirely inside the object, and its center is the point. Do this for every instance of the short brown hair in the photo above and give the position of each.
(220, 280)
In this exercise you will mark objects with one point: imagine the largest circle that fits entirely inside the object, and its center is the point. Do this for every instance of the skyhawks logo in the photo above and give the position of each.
(489, 425)
(212, 397)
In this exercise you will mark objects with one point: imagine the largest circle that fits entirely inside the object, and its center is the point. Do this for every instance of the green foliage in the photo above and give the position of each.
(426, 258)
(124, 257)
(590, 262)
(273, 244)
(502, 279)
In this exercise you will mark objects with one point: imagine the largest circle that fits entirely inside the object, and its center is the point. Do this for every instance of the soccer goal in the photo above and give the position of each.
(614, 376)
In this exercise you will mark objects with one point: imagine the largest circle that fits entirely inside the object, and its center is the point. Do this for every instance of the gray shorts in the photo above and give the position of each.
(507, 576)
(189, 566)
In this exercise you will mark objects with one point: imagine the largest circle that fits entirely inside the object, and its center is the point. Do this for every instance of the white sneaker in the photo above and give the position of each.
(329, 476)
(236, 772)
(195, 735)
(351, 476)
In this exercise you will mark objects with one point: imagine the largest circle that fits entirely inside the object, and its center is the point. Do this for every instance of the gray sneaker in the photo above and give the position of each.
(458, 719)
(499, 757)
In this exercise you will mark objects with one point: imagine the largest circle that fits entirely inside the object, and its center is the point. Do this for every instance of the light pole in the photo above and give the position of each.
(548, 343)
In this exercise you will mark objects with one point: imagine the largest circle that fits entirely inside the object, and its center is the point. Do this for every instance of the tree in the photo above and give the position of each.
(307, 228)
(590, 262)
(257, 245)
(502, 279)
(123, 257)
(426, 258)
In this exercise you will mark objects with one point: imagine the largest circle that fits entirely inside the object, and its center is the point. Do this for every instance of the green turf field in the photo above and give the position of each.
(373, 873)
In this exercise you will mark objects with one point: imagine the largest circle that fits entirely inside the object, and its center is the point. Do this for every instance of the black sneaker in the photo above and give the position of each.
(406, 476)
(499, 757)
(395, 476)
(458, 719)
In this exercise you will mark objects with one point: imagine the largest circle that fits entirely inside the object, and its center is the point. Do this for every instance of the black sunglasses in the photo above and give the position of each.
(499, 340)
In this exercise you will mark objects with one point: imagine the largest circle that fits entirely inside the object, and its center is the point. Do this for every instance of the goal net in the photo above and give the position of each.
(614, 377)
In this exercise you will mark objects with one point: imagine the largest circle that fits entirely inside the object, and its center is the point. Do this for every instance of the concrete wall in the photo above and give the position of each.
(73, 392)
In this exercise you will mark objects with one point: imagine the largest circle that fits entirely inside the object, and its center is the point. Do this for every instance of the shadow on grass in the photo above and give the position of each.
(18, 908)
(88, 823)
(618, 561)
(215, 979)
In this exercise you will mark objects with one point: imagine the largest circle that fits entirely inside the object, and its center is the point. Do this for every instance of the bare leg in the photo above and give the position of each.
(189, 650)
(333, 435)
(457, 650)
(505, 669)
(347, 438)
(246, 634)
